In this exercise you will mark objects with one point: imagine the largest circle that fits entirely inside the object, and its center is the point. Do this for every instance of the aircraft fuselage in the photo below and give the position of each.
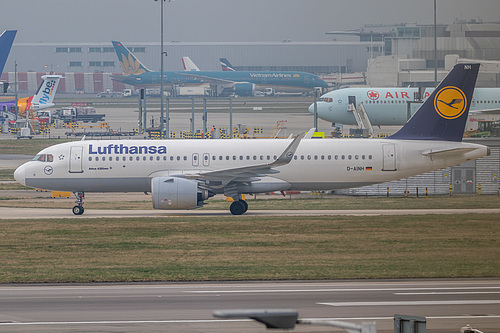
(327, 164)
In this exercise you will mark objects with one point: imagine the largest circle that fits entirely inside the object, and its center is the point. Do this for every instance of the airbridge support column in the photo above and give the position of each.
(142, 111)
(192, 117)
(204, 117)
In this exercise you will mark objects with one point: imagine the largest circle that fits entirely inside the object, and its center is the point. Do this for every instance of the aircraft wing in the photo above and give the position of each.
(123, 78)
(251, 172)
(208, 79)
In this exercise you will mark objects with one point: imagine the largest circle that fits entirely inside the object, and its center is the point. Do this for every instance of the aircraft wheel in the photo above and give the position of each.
(238, 207)
(245, 204)
(78, 210)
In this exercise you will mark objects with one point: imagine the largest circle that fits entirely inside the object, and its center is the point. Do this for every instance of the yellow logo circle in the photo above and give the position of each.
(450, 102)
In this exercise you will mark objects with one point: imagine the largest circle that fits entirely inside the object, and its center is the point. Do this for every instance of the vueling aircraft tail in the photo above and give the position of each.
(130, 64)
(226, 65)
(6, 40)
(444, 114)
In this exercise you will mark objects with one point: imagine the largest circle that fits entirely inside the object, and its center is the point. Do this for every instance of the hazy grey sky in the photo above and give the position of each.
(221, 20)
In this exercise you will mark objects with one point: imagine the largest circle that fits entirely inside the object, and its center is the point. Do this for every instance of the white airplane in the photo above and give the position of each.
(182, 174)
(388, 106)
(189, 65)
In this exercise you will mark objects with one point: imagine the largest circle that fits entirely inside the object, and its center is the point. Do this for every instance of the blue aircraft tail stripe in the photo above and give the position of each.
(444, 114)
(6, 40)
(226, 65)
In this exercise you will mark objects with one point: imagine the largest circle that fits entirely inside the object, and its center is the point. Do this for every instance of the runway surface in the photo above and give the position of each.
(447, 305)
(48, 213)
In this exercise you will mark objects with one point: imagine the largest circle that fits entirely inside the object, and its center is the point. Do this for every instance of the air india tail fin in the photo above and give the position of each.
(189, 65)
(444, 114)
(226, 65)
(130, 64)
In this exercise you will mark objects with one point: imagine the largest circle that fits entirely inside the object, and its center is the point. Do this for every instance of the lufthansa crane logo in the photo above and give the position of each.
(450, 102)
(48, 170)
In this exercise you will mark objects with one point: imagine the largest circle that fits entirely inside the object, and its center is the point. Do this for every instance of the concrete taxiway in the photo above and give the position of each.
(446, 304)
(47, 213)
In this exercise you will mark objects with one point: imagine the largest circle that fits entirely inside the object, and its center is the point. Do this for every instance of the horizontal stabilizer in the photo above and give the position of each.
(448, 151)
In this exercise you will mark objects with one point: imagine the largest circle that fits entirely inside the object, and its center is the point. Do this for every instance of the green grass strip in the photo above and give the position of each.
(249, 248)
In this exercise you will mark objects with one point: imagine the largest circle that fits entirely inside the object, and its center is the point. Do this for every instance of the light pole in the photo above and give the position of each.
(163, 133)
(435, 47)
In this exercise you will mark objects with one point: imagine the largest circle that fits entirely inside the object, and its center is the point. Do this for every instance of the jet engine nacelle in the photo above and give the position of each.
(244, 89)
(176, 193)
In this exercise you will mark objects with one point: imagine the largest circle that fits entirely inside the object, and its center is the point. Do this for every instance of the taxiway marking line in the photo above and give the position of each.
(210, 321)
(412, 303)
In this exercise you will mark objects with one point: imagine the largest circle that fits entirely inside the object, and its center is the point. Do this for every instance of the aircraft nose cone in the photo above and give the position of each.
(311, 108)
(20, 174)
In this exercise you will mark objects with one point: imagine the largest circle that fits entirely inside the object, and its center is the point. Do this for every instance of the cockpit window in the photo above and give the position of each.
(44, 158)
(40, 158)
(326, 99)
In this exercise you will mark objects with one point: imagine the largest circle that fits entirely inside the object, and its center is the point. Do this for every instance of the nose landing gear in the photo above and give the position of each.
(78, 209)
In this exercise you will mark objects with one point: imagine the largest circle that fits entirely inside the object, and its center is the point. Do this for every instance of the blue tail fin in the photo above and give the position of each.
(6, 40)
(444, 114)
(226, 65)
(130, 64)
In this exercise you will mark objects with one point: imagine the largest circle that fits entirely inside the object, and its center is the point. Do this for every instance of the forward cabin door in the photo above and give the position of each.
(389, 157)
(76, 160)
(352, 100)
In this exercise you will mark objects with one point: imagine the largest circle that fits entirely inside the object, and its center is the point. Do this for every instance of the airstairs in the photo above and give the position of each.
(7, 114)
(361, 117)
(280, 125)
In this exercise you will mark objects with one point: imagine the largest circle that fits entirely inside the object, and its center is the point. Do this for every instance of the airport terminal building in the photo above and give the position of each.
(381, 55)
(88, 67)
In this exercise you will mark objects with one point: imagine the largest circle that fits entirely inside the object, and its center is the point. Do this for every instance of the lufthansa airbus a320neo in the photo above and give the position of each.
(182, 174)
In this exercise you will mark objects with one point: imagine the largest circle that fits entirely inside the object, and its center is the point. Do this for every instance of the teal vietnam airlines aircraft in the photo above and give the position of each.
(182, 174)
(389, 106)
(242, 83)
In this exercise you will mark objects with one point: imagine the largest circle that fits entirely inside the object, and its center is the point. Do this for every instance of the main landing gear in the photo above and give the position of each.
(78, 209)
(238, 207)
